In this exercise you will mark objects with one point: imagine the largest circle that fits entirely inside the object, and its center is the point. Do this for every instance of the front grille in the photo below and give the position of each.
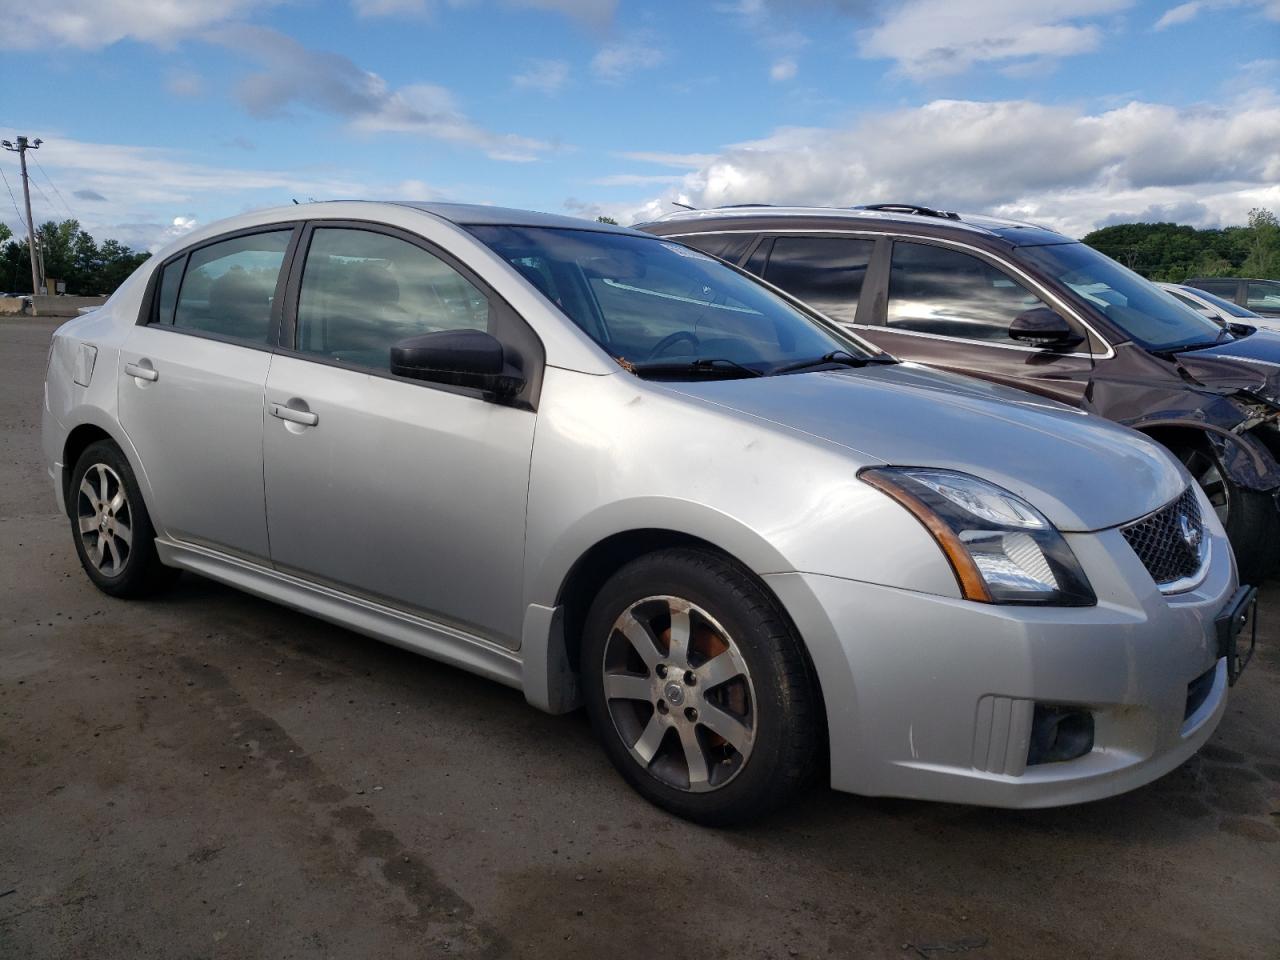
(1170, 542)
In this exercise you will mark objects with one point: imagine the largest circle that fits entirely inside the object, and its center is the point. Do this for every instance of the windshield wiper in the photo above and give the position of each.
(842, 357)
(703, 366)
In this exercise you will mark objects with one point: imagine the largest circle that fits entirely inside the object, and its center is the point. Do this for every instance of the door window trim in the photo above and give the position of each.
(514, 330)
(148, 315)
(1048, 296)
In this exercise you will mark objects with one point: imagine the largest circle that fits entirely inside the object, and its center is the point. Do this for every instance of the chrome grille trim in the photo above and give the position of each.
(1160, 541)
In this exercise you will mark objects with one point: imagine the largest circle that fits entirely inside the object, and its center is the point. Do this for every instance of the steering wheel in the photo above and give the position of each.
(671, 339)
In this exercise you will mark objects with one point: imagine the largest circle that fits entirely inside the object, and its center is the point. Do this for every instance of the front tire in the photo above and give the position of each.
(699, 689)
(1249, 517)
(110, 525)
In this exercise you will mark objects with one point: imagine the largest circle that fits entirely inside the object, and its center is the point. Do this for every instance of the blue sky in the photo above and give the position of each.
(158, 115)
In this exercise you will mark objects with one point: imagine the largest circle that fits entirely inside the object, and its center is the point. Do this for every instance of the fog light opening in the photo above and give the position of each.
(1058, 734)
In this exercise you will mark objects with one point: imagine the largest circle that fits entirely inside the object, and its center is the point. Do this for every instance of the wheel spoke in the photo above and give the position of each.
(719, 669)
(124, 533)
(88, 524)
(626, 686)
(87, 489)
(695, 759)
(109, 545)
(651, 739)
(641, 638)
(679, 649)
(117, 501)
(721, 723)
(102, 484)
(95, 551)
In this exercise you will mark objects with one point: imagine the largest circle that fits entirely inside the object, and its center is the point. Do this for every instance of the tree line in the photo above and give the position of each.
(1173, 252)
(88, 268)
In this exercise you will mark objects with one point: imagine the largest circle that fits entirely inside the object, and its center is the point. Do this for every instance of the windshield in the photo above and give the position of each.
(1149, 316)
(655, 304)
(1226, 306)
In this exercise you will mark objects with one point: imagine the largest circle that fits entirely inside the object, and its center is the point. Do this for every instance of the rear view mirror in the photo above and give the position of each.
(462, 358)
(1042, 327)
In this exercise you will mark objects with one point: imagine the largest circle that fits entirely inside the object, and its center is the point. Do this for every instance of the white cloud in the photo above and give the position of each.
(930, 38)
(1053, 164)
(91, 24)
(292, 75)
(545, 76)
(782, 70)
(1186, 12)
(616, 61)
(669, 159)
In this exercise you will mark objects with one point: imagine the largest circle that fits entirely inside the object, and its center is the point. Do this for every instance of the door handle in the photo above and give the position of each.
(147, 372)
(304, 417)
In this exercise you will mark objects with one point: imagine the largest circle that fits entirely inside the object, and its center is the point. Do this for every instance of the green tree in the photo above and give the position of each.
(1171, 251)
(607, 220)
(70, 255)
(1264, 245)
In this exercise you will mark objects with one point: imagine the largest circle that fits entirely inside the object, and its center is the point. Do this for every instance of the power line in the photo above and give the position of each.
(21, 219)
(54, 187)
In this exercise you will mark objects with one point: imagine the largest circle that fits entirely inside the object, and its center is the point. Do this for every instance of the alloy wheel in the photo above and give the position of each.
(679, 693)
(104, 519)
(1207, 474)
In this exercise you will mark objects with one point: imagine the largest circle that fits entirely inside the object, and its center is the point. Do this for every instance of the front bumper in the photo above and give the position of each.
(933, 697)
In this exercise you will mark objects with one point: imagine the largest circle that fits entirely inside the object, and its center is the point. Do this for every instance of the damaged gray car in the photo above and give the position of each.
(1027, 307)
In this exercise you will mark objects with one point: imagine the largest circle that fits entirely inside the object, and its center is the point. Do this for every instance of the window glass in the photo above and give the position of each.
(1144, 312)
(726, 246)
(647, 301)
(950, 293)
(170, 279)
(824, 272)
(1262, 295)
(755, 264)
(1223, 288)
(363, 292)
(1226, 306)
(228, 287)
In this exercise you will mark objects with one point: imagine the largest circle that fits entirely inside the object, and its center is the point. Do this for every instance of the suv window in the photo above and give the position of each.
(1262, 295)
(824, 272)
(1223, 288)
(949, 293)
(362, 292)
(726, 246)
(228, 287)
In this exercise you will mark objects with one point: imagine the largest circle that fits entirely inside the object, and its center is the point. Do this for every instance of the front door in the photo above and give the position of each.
(409, 493)
(191, 390)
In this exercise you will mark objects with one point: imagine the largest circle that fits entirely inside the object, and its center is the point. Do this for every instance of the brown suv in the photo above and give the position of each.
(1021, 305)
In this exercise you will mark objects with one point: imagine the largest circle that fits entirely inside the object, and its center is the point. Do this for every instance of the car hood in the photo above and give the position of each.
(1250, 364)
(1082, 472)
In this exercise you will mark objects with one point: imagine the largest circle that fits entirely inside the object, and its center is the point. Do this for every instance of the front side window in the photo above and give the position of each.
(648, 301)
(726, 246)
(229, 286)
(1140, 309)
(1263, 295)
(825, 272)
(953, 294)
(363, 292)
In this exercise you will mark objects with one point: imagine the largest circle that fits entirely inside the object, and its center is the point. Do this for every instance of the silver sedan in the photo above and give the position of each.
(610, 471)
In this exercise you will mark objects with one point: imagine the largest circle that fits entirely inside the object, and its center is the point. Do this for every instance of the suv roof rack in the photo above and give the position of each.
(908, 208)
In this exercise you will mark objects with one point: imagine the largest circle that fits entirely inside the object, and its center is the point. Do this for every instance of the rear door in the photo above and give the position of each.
(192, 376)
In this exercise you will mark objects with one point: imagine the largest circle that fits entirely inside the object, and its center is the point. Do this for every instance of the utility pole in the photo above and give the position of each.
(21, 148)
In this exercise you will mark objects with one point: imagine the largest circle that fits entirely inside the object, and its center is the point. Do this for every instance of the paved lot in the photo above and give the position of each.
(207, 775)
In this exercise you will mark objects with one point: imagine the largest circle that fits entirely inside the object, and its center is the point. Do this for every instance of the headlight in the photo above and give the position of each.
(1001, 548)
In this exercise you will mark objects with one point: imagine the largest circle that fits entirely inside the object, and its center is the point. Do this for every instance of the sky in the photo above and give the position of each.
(160, 115)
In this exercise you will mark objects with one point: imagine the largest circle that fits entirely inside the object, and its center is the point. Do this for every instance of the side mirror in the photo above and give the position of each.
(462, 358)
(1042, 327)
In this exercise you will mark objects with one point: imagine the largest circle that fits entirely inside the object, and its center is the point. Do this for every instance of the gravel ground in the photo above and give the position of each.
(209, 775)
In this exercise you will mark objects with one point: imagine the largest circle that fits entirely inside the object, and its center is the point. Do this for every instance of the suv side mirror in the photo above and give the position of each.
(462, 358)
(1042, 327)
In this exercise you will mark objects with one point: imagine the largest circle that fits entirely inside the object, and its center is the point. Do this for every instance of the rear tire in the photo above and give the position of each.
(1249, 517)
(112, 531)
(699, 689)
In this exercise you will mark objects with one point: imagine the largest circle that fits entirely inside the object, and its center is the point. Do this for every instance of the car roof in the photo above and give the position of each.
(479, 214)
(764, 216)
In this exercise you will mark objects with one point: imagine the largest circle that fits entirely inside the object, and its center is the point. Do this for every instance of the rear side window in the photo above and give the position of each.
(362, 292)
(726, 246)
(1263, 296)
(170, 280)
(949, 293)
(825, 272)
(229, 286)
(1223, 288)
